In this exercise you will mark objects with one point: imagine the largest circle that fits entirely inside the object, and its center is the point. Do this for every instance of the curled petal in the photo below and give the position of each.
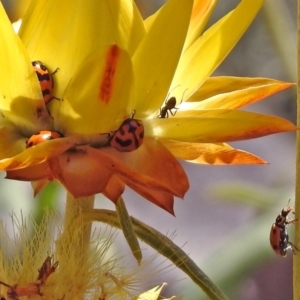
(38, 154)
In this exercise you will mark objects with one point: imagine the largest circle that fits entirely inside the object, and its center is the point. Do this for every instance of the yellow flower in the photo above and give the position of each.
(111, 66)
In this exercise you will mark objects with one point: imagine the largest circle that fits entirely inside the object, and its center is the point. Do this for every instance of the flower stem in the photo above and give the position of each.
(83, 231)
(73, 208)
(296, 265)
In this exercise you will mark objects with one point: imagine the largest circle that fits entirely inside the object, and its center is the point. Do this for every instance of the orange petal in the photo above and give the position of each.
(114, 189)
(80, 173)
(212, 154)
(38, 185)
(151, 165)
(159, 198)
(31, 173)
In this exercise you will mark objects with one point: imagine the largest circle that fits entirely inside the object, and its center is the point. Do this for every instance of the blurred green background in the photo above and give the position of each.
(226, 216)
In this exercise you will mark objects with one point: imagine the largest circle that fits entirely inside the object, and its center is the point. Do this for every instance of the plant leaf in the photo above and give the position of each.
(164, 246)
(126, 226)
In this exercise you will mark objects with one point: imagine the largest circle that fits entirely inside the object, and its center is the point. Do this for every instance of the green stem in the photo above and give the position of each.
(73, 210)
(164, 246)
(296, 265)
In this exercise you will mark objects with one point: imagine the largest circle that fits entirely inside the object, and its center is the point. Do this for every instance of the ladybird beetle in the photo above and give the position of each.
(42, 136)
(279, 238)
(169, 105)
(46, 80)
(129, 136)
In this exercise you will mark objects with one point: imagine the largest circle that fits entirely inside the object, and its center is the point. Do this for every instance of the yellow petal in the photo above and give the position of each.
(233, 92)
(21, 99)
(17, 77)
(212, 154)
(12, 142)
(152, 294)
(37, 154)
(87, 26)
(202, 10)
(205, 55)
(215, 126)
(158, 54)
(201, 13)
(97, 99)
(28, 115)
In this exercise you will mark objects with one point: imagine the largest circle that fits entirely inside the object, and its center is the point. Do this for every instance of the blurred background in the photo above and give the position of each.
(225, 219)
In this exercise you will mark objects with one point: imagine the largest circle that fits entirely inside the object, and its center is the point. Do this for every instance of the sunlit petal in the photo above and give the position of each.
(74, 29)
(103, 99)
(201, 13)
(215, 126)
(205, 54)
(159, 54)
(233, 92)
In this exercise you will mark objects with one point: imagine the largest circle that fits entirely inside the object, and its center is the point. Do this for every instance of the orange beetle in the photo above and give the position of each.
(129, 136)
(279, 238)
(46, 80)
(42, 136)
